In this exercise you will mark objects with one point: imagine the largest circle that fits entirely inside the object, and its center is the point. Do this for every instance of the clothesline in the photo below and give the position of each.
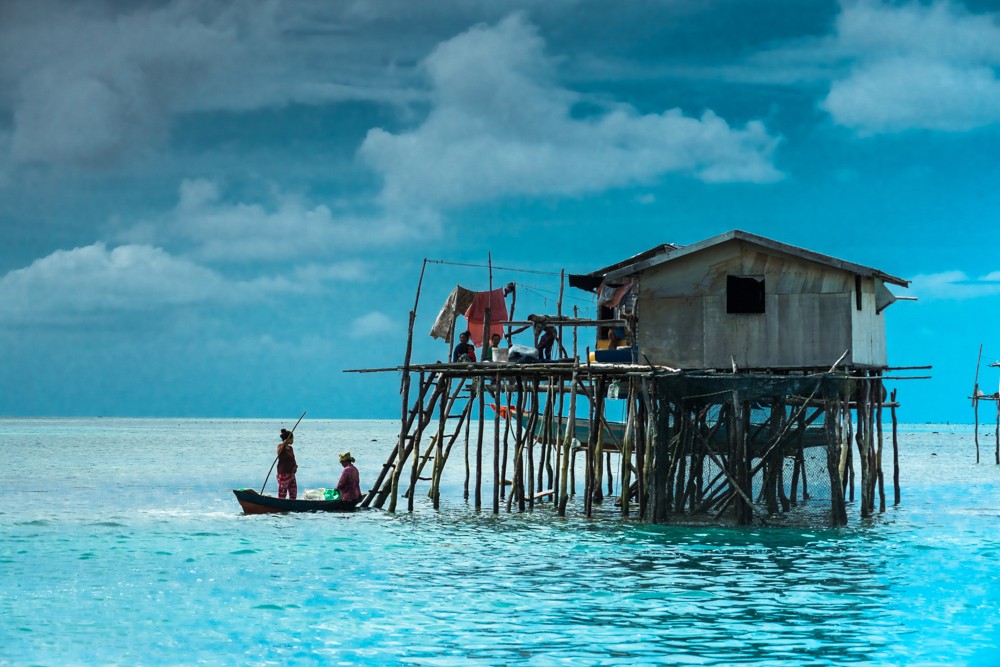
(541, 291)
(495, 268)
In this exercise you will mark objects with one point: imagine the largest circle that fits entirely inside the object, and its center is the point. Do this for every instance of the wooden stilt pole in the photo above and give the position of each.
(832, 421)
(496, 451)
(879, 396)
(628, 442)
(567, 445)
(481, 395)
(996, 433)
(468, 424)
(531, 444)
(439, 449)
(895, 451)
(415, 468)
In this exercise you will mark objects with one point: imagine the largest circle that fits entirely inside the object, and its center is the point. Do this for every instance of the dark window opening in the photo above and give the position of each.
(857, 292)
(744, 294)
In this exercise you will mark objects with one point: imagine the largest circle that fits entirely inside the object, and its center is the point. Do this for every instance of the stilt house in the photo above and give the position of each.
(747, 371)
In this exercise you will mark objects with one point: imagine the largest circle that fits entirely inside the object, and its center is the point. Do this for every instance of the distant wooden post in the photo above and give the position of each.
(975, 401)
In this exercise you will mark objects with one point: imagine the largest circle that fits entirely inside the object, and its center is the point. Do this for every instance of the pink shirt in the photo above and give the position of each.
(349, 484)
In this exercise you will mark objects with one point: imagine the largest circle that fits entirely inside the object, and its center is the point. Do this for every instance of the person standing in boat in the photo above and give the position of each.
(287, 466)
(350, 480)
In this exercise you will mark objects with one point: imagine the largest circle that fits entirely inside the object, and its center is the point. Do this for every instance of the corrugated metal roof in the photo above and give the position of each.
(663, 248)
(668, 252)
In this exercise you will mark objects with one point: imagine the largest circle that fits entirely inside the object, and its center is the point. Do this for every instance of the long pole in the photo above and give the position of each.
(279, 454)
(404, 390)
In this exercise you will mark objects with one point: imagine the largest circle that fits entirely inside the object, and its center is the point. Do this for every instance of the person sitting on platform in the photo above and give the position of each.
(464, 351)
(614, 338)
(350, 480)
(488, 349)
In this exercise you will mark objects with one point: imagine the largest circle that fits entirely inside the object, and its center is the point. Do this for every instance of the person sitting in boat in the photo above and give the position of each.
(350, 480)
(287, 466)
(464, 351)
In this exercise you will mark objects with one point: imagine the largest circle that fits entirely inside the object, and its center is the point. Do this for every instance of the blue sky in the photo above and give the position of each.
(210, 209)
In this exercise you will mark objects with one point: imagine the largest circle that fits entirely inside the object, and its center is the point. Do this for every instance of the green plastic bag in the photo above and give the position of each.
(331, 494)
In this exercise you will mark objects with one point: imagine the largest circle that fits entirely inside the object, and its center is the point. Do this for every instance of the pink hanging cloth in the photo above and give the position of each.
(477, 313)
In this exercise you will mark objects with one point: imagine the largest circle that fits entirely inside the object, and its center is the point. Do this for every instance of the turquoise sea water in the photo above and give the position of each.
(121, 543)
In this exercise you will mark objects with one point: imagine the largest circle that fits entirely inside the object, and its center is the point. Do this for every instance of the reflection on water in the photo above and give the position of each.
(143, 558)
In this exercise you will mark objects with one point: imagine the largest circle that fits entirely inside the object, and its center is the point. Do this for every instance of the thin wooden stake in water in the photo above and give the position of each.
(975, 400)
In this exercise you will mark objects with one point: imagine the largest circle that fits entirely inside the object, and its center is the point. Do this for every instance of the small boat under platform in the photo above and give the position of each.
(254, 503)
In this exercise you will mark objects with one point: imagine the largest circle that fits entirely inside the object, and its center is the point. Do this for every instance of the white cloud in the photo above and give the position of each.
(954, 285)
(95, 281)
(371, 325)
(501, 125)
(282, 228)
(915, 67)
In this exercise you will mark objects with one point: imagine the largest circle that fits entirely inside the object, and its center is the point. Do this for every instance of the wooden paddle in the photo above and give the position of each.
(276, 458)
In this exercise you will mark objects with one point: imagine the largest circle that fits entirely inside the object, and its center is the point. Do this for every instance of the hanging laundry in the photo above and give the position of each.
(477, 313)
(612, 295)
(585, 282)
(457, 302)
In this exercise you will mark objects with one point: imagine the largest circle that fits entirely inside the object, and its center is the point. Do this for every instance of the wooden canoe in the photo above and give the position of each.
(254, 503)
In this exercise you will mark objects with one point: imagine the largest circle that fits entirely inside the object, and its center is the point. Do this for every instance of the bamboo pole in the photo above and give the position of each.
(391, 462)
(468, 424)
(513, 305)
(879, 392)
(588, 460)
(895, 451)
(531, 444)
(386, 490)
(496, 451)
(405, 388)
(838, 512)
(464, 418)
(501, 391)
(744, 509)
(567, 445)
(518, 486)
(480, 393)
(562, 286)
(439, 449)
(626, 454)
(445, 408)
(557, 445)
(643, 450)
